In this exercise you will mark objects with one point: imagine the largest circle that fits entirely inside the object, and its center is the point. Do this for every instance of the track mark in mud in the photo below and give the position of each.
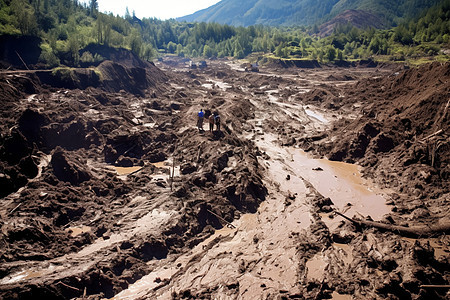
(259, 255)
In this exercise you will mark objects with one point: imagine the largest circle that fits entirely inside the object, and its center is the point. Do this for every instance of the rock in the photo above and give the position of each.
(326, 209)
(123, 161)
(187, 168)
(68, 169)
(382, 143)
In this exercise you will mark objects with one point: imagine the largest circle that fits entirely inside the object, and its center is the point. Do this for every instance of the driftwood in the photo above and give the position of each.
(419, 231)
(443, 286)
(134, 172)
(68, 286)
(228, 223)
(15, 208)
(431, 135)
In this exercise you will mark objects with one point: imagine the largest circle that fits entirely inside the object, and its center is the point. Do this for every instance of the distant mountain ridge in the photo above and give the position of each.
(304, 12)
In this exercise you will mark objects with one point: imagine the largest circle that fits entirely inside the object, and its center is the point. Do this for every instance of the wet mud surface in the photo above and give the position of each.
(112, 192)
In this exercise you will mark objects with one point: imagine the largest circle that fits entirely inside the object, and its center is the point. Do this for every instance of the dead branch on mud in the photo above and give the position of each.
(68, 286)
(419, 231)
(431, 135)
(15, 208)
(134, 172)
(228, 223)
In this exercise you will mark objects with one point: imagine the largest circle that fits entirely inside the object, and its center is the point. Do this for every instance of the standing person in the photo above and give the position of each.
(201, 115)
(217, 120)
(211, 122)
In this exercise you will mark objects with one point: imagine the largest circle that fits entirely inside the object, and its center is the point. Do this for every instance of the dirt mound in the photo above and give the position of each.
(289, 63)
(67, 157)
(110, 76)
(70, 78)
(399, 133)
(110, 187)
(68, 170)
(136, 80)
(119, 55)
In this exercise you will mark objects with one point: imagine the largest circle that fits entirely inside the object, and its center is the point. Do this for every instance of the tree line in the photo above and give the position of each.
(66, 27)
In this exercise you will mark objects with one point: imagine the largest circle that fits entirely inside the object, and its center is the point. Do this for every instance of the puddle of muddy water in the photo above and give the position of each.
(439, 249)
(316, 268)
(337, 296)
(339, 181)
(127, 170)
(220, 84)
(264, 239)
(342, 183)
(316, 115)
(26, 274)
(74, 231)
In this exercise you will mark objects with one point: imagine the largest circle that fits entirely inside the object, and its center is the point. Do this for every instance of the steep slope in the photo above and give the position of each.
(268, 12)
(358, 18)
(303, 12)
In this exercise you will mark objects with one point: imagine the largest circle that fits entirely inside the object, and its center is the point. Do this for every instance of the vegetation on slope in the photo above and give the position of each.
(68, 30)
(305, 12)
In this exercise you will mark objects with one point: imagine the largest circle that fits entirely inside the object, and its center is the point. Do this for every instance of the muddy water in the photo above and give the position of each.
(145, 216)
(339, 181)
(74, 231)
(127, 170)
(259, 254)
(441, 249)
(316, 115)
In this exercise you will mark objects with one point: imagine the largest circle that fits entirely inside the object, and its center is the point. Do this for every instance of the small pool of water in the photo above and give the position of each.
(74, 231)
(127, 170)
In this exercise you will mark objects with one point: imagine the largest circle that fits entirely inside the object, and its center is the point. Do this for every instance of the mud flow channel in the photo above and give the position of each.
(257, 253)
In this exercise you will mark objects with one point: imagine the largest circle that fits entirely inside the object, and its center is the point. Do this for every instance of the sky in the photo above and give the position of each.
(161, 9)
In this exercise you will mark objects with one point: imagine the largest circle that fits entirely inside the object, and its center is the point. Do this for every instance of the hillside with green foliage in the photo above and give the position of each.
(304, 12)
(68, 30)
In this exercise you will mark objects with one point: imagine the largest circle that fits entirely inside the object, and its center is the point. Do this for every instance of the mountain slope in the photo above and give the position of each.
(303, 12)
(358, 18)
(267, 12)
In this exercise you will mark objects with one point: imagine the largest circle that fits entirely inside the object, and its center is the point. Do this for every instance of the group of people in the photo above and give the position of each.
(213, 119)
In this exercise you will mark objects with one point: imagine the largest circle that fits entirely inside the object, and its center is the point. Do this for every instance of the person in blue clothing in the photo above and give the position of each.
(201, 116)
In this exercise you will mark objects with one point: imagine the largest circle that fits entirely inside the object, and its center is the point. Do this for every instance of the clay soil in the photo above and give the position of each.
(110, 190)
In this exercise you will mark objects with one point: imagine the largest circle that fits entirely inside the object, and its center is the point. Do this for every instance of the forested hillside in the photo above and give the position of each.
(305, 12)
(64, 29)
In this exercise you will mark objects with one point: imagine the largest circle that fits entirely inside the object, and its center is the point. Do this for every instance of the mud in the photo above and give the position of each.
(111, 191)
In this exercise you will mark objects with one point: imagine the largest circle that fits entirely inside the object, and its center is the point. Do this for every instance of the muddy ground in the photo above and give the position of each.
(109, 189)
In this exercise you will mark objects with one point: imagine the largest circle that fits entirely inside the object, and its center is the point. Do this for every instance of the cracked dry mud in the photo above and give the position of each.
(115, 193)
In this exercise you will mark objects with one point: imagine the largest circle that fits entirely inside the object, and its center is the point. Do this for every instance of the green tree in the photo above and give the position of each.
(171, 47)
(73, 47)
(26, 20)
(93, 8)
(148, 52)
(136, 43)
(279, 50)
(208, 51)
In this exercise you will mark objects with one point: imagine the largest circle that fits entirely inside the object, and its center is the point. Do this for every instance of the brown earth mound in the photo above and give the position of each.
(60, 155)
(404, 129)
(105, 185)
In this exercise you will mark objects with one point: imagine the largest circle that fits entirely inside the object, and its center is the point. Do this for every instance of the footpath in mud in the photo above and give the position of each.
(112, 192)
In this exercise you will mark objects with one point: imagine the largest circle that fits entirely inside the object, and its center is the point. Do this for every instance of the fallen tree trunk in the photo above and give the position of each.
(418, 231)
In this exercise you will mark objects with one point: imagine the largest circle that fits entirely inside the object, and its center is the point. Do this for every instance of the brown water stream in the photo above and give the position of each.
(259, 254)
